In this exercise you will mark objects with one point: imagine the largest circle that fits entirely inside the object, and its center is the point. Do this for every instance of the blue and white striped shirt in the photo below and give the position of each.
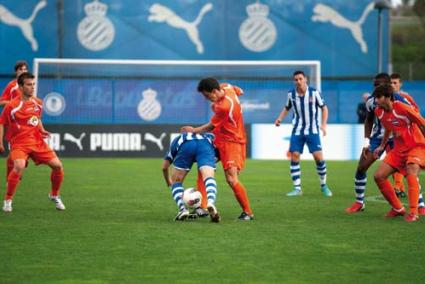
(306, 111)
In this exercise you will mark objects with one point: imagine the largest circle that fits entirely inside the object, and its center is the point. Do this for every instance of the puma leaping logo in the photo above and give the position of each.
(24, 24)
(69, 137)
(324, 13)
(160, 14)
(157, 141)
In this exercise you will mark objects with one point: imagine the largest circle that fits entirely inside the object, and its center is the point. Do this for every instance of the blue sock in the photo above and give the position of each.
(296, 174)
(360, 186)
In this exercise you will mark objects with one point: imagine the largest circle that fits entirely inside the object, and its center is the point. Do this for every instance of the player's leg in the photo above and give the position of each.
(315, 148)
(232, 157)
(412, 191)
(296, 149)
(360, 180)
(415, 160)
(381, 178)
(200, 185)
(13, 180)
(398, 184)
(177, 178)
(211, 188)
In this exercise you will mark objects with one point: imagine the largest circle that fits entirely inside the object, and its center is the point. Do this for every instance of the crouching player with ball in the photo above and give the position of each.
(186, 149)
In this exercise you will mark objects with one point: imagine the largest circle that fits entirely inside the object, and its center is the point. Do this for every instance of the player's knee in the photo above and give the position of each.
(379, 176)
(19, 166)
(295, 156)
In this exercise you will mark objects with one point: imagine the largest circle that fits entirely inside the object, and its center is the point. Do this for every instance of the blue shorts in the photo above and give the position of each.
(298, 141)
(191, 151)
(375, 142)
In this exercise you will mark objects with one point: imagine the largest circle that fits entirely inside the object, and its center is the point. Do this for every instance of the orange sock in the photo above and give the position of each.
(242, 197)
(56, 178)
(201, 188)
(398, 181)
(389, 194)
(12, 183)
(9, 166)
(413, 193)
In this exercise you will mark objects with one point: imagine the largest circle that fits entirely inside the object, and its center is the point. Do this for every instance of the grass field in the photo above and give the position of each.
(119, 228)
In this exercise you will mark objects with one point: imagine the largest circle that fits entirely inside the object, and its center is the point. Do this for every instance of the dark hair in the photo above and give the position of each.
(383, 90)
(298, 72)
(396, 76)
(23, 76)
(19, 64)
(208, 84)
(381, 78)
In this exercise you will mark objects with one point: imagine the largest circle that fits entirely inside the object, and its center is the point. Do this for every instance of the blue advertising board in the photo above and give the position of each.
(341, 34)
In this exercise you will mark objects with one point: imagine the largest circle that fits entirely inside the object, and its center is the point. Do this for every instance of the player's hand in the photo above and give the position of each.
(365, 152)
(45, 134)
(1, 148)
(378, 151)
(323, 128)
(277, 122)
(186, 129)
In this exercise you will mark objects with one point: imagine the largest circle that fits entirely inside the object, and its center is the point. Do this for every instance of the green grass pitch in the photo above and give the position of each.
(118, 228)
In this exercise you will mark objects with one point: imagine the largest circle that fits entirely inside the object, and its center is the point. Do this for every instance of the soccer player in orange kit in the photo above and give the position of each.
(10, 92)
(397, 83)
(408, 154)
(21, 122)
(227, 125)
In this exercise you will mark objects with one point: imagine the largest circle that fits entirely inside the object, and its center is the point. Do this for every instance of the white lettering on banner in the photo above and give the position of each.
(247, 106)
(116, 142)
(54, 141)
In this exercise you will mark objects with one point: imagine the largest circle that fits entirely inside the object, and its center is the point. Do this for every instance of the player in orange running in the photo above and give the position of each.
(227, 124)
(21, 122)
(396, 83)
(10, 92)
(408, 154)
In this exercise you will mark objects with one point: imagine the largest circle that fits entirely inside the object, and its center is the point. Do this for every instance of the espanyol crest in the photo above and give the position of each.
(149, 108)
(54, 104)
(95, 32)
(257, 33)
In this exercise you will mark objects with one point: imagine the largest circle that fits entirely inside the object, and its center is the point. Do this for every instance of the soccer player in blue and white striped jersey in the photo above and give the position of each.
(306, 102)
(186, 149)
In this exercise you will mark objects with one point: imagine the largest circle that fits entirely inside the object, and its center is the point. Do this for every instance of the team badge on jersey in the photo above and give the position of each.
(33, 121)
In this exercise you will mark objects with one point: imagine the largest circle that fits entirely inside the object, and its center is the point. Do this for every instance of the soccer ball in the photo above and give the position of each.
(192, 198)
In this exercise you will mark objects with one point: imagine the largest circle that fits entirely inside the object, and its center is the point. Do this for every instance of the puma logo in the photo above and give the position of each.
(160, 14)
(24, 24)
(69, 137)
(324, 13)
(158, 141)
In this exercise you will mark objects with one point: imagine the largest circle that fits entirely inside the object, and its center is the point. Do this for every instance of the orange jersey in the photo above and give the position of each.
(227, 119)
(403, 121)
(22, 121)
(11, 91)
(410, 100)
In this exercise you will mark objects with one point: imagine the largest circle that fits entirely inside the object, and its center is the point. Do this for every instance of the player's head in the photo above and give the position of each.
(26, 82)
(21, 67)
(396, 82)
(209, 87)
(300, 80)
(381, 78)
(383, 91)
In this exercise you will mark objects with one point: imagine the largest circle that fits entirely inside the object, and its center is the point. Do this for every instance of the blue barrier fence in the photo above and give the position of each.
(103, 101)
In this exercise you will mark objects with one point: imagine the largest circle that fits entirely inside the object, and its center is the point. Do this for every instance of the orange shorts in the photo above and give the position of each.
(232, 154)
(40, 153)
(399, 160)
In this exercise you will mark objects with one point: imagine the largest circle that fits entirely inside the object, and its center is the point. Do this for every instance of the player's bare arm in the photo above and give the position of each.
(1, 138)
(384, 142)
(325, 114)
(165, 172)
(281, 116)
(200, 129)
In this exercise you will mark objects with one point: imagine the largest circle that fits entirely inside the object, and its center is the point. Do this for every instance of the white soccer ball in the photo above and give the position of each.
(192, 198)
